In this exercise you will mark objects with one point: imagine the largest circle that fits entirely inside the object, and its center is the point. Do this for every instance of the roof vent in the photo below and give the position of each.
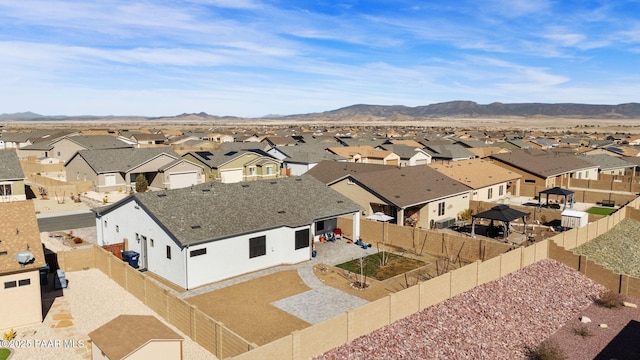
(24, 257)
(281, 212)
(206, 190)
(195, 227)
(162, 195)
(245, 185)
(273, 182)
(340, 201)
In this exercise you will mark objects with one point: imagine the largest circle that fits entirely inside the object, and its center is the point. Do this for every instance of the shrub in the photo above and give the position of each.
(582, 330)
(547, 350)
(610, 299)
(141, 183)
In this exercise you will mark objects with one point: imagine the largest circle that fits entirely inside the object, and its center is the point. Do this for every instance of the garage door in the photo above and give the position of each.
(231, 176)
(181, 180)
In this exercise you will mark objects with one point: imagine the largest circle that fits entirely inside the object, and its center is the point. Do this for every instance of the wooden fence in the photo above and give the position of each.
(206, 331)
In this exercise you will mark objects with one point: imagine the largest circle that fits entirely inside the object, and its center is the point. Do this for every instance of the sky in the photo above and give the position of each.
(252, 58)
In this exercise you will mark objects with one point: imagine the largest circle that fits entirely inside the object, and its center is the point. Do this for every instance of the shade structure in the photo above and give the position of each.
(500, 213)
(379, 216)
(566, 193)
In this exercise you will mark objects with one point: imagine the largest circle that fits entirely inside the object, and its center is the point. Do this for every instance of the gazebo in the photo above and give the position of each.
(501, 213)
(558, 191)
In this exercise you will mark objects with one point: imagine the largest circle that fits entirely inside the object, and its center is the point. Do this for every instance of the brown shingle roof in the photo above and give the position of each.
(475, 173)
(19, 232)
(541, 163)
(410, 185)
(127, 333)
(329, 171)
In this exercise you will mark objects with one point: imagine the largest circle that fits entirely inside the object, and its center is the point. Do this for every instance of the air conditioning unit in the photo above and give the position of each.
(445, 223)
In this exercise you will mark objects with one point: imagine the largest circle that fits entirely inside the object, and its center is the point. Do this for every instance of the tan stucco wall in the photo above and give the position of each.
(78, 170)
(20, 305)
(452, 206)
(170, 350)
(64, 150)
(357, 194)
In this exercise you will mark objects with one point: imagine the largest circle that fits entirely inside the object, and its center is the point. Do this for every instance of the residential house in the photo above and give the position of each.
(135, 337)
(117, 169)
(451, 152)
(220, 138)
(297, 160)
(15, 140)
(63, 149)
(229, 166)
(611, 165)
(21, 257)
(489, 181)
(273, 141)
(546, 169)
(148, 139)
(366, 155)
(483, 152)
(414, 195)
(213, 231)
(11, 177)
(409, 155)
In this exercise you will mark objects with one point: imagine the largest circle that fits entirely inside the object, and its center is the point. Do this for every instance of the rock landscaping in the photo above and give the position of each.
(502, 319)
(617, 249)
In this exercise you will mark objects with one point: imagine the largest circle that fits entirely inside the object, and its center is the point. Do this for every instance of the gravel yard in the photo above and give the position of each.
(617, 249)
(497, 320)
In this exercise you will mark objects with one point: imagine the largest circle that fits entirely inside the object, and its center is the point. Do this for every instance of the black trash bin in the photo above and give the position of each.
(131, 257)
(44, 274)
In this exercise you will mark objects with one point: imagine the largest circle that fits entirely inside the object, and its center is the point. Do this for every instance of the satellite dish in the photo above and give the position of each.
(24, 257)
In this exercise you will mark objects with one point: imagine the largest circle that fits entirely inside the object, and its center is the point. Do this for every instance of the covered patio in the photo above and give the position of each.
(568, 197)
(501, 213)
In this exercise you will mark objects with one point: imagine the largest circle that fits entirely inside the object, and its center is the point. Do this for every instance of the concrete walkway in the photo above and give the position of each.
(322, 302)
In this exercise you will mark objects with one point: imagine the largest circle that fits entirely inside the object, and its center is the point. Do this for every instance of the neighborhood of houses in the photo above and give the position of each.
(220, 203)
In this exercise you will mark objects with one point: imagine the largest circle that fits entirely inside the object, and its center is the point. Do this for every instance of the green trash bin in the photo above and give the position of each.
(44, 274)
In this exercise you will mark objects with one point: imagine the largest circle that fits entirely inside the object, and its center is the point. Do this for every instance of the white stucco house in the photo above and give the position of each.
(213, 231)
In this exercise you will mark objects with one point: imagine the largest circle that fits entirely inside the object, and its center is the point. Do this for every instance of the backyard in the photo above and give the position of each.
(596, 210)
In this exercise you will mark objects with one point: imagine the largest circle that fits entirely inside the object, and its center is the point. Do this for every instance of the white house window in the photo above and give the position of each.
(257, 246)
(490, 193)
(78, 175)
(319, 225)
(252, 170)
(110, 179)
(9, 284)
(5, 189)
(441, 208)
(269, 170)
(105, 223)
(24, 282)
(151, 242)
(302, 239)
(501, 190)
(168, 252)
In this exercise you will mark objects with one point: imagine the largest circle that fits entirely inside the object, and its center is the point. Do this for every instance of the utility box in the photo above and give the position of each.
(572, 219)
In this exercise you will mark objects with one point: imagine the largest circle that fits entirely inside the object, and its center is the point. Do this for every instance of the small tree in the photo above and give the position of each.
(141, 183)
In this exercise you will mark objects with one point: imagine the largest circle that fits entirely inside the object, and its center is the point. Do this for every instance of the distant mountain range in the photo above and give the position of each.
(459, 109)
(470, 109)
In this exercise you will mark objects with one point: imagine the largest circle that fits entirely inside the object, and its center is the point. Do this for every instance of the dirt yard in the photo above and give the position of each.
(246, 308)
